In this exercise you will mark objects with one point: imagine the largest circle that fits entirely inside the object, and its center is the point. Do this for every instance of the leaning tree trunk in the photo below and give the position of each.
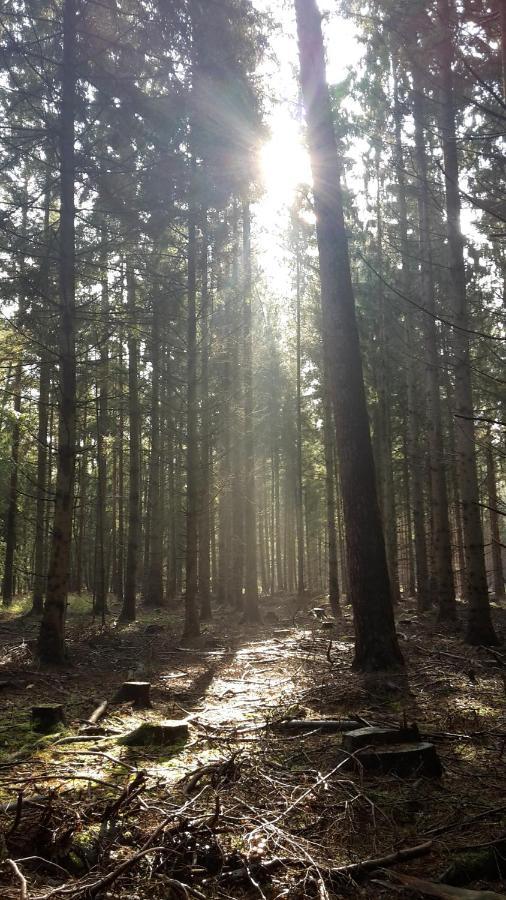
(128, 611)
(51, 642)
(480, 629)
(376, 645)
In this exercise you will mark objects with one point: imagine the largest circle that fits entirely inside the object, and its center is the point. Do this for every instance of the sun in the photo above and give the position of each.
(284, 161)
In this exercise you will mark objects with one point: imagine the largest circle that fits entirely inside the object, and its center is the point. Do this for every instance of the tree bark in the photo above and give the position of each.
(205, 446)
(154, 574)
(192, 625)
(128, 612)
(102, 432)
(8, 583)
(442, 583)
(495, 533)
(251, 610)
(330, 497)
(376, 645)
(299, 486)
(51, 644)
(480, 629)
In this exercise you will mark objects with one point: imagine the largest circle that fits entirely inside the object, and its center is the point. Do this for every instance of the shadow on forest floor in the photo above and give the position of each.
(275, 807)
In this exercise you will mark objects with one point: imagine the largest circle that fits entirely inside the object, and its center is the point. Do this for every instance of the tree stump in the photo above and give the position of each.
(372, 735)
(157, 734)
(47, 717)
(403, 760)
(136, 692)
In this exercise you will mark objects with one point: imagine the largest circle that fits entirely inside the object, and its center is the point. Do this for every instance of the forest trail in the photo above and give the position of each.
(251, 804)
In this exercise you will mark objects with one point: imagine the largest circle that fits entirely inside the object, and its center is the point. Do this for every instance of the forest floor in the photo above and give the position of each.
(244, 807)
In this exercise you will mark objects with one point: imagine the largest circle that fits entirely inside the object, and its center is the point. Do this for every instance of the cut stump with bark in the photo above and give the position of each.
(375, 735)
(136, 692)
(47, 717)
(157, 734)
(404, 760)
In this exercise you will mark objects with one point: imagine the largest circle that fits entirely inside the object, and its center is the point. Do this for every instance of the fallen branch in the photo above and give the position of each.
(23, 887)
(445, 891)
(98, 713)
(463, 823)
(380, 862)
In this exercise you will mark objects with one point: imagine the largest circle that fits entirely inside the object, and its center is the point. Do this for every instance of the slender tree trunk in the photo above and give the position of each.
(192, 626)
(237, 431)
(102, 432)
(480, 629)
(52, 630)
(386, 480)
(82, 501)
(376, 645)
(442, 583)
(119, 580)
(128, 611)
(154, 564)
(299, 485)
(413, 418)
(330, 497)
(205, 447)
(8, 584)
(495, 532)
(251, 611)
(39, 585)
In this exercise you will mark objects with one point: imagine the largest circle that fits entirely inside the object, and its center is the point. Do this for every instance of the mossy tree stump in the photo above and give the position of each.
(157, 734)
(47, 717)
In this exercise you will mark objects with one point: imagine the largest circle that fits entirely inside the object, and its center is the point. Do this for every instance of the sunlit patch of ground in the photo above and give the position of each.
(280, 796)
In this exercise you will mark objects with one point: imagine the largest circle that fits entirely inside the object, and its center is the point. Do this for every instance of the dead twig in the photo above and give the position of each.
(23, 887)
(380, 862)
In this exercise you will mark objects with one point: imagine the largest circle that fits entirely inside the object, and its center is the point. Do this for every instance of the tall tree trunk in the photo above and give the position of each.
(102, 432)
(237, 429)
(480, 629)
(414, 418)
(280, 570)
(154, 563)
(192, 626)
(299, 486)
(330, 497)
(39, 584)
(51, 643)
(495, 533)
(119, 581)
(205, 447)
(386, 480)
(441, 579)
(8, 583)
(251, 611)
(128, 611)
(376, 645)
